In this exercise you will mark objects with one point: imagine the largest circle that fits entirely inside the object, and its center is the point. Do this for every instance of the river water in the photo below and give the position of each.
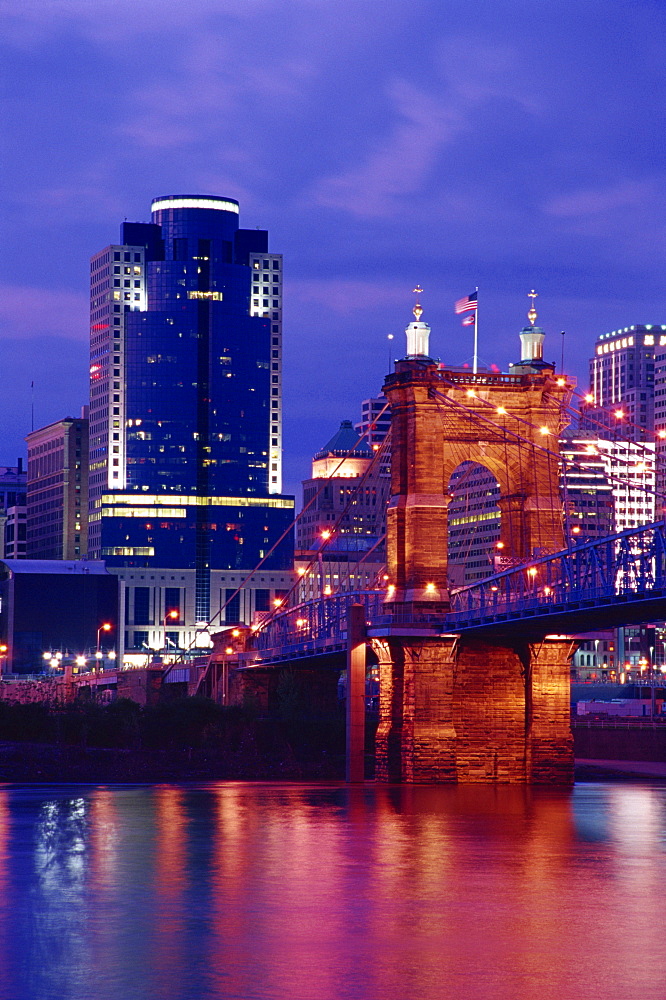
(309, 892)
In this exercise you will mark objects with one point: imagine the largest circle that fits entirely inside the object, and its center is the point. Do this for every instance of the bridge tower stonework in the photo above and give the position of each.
(453, 708)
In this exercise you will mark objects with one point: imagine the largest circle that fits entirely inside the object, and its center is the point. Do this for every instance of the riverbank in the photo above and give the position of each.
(41, 763)
(619, 770)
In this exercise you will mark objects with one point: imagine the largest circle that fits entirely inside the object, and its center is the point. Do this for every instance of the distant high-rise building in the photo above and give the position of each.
(337, 497)
(15, 533)
(660, 423)
(474, 524)
(341, 530)
(186, 395)
(622, 379)
(375, 424)
(587, 492)
(12, 510)
(57, 490)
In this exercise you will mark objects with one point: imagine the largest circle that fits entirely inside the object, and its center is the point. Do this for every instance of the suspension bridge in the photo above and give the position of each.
(474, 681)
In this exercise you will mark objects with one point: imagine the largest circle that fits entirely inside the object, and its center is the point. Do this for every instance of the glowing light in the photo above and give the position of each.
(430, 588)
(547, 591)
(499, 545)
(46, 656)
(214, 296)
(327, 590)
(471, 393)
(544, 430)
(326, 534)
(494, 589)
(501, 410)
(619, 414)
(589, 398)
(300, 622)
(561, 381)
(277, 602)
(220, 204)
(576, 530)
(661, 434)
(391, 589)
(532, 571)
(228, 651)
(385, 577)
(235, 633)
(301, 571)
(80, 661)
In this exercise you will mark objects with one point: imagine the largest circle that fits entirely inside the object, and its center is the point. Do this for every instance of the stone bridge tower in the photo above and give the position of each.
(454, 709)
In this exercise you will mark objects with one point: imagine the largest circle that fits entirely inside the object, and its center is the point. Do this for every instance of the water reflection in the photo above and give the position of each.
(269, 891)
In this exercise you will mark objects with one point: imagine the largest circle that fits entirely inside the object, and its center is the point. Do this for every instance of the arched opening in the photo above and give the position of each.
(474, 524)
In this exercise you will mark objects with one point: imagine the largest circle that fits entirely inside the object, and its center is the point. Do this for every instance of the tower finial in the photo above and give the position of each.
(532, 314)
(417, 310)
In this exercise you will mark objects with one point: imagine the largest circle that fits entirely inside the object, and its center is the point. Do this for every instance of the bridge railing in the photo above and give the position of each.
(316, 621)
(323, 622)
(628, 563)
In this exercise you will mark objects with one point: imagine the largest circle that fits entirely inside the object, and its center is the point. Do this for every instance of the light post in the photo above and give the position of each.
(173, 614)
(3, 656)
(325, 535)
(105, 627)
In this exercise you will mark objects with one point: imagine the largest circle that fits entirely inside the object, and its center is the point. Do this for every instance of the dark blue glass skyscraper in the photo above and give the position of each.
(185, 395)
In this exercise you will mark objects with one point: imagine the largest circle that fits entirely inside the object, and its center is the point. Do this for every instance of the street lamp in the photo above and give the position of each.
(173, 614)
(105, 627)
(325, 536)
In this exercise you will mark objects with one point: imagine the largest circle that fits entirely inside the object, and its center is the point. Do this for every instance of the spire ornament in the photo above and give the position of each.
(417, 331)
(417, 310)
(532, 314)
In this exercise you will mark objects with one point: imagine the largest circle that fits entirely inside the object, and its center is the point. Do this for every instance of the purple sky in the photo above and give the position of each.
(508, 144)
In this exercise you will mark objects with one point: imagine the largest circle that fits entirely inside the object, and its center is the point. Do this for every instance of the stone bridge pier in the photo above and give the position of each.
(454, 710)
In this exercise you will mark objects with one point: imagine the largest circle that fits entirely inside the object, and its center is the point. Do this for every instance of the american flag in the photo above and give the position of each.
(466, 304)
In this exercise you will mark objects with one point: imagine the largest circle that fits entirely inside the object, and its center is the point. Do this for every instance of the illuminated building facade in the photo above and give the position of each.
(57, 490)
(341, 533)
(185, 395)
(587, 492)
(607, 486)
(622, 374)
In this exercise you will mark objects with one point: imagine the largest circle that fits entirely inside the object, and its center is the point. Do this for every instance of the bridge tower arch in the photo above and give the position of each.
(442, 418)
(454, 709)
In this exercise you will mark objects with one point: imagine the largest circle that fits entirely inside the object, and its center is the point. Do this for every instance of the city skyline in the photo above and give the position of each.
(504, 151)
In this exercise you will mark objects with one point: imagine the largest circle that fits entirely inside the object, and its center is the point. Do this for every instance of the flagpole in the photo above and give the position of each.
(475, 359)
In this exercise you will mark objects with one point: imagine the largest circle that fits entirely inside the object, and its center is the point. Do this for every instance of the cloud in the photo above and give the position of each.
(26, 313)
(424, 122)
(404, 159)
(344, 296)
(108, 22)
(213, 95)
(626, 194)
